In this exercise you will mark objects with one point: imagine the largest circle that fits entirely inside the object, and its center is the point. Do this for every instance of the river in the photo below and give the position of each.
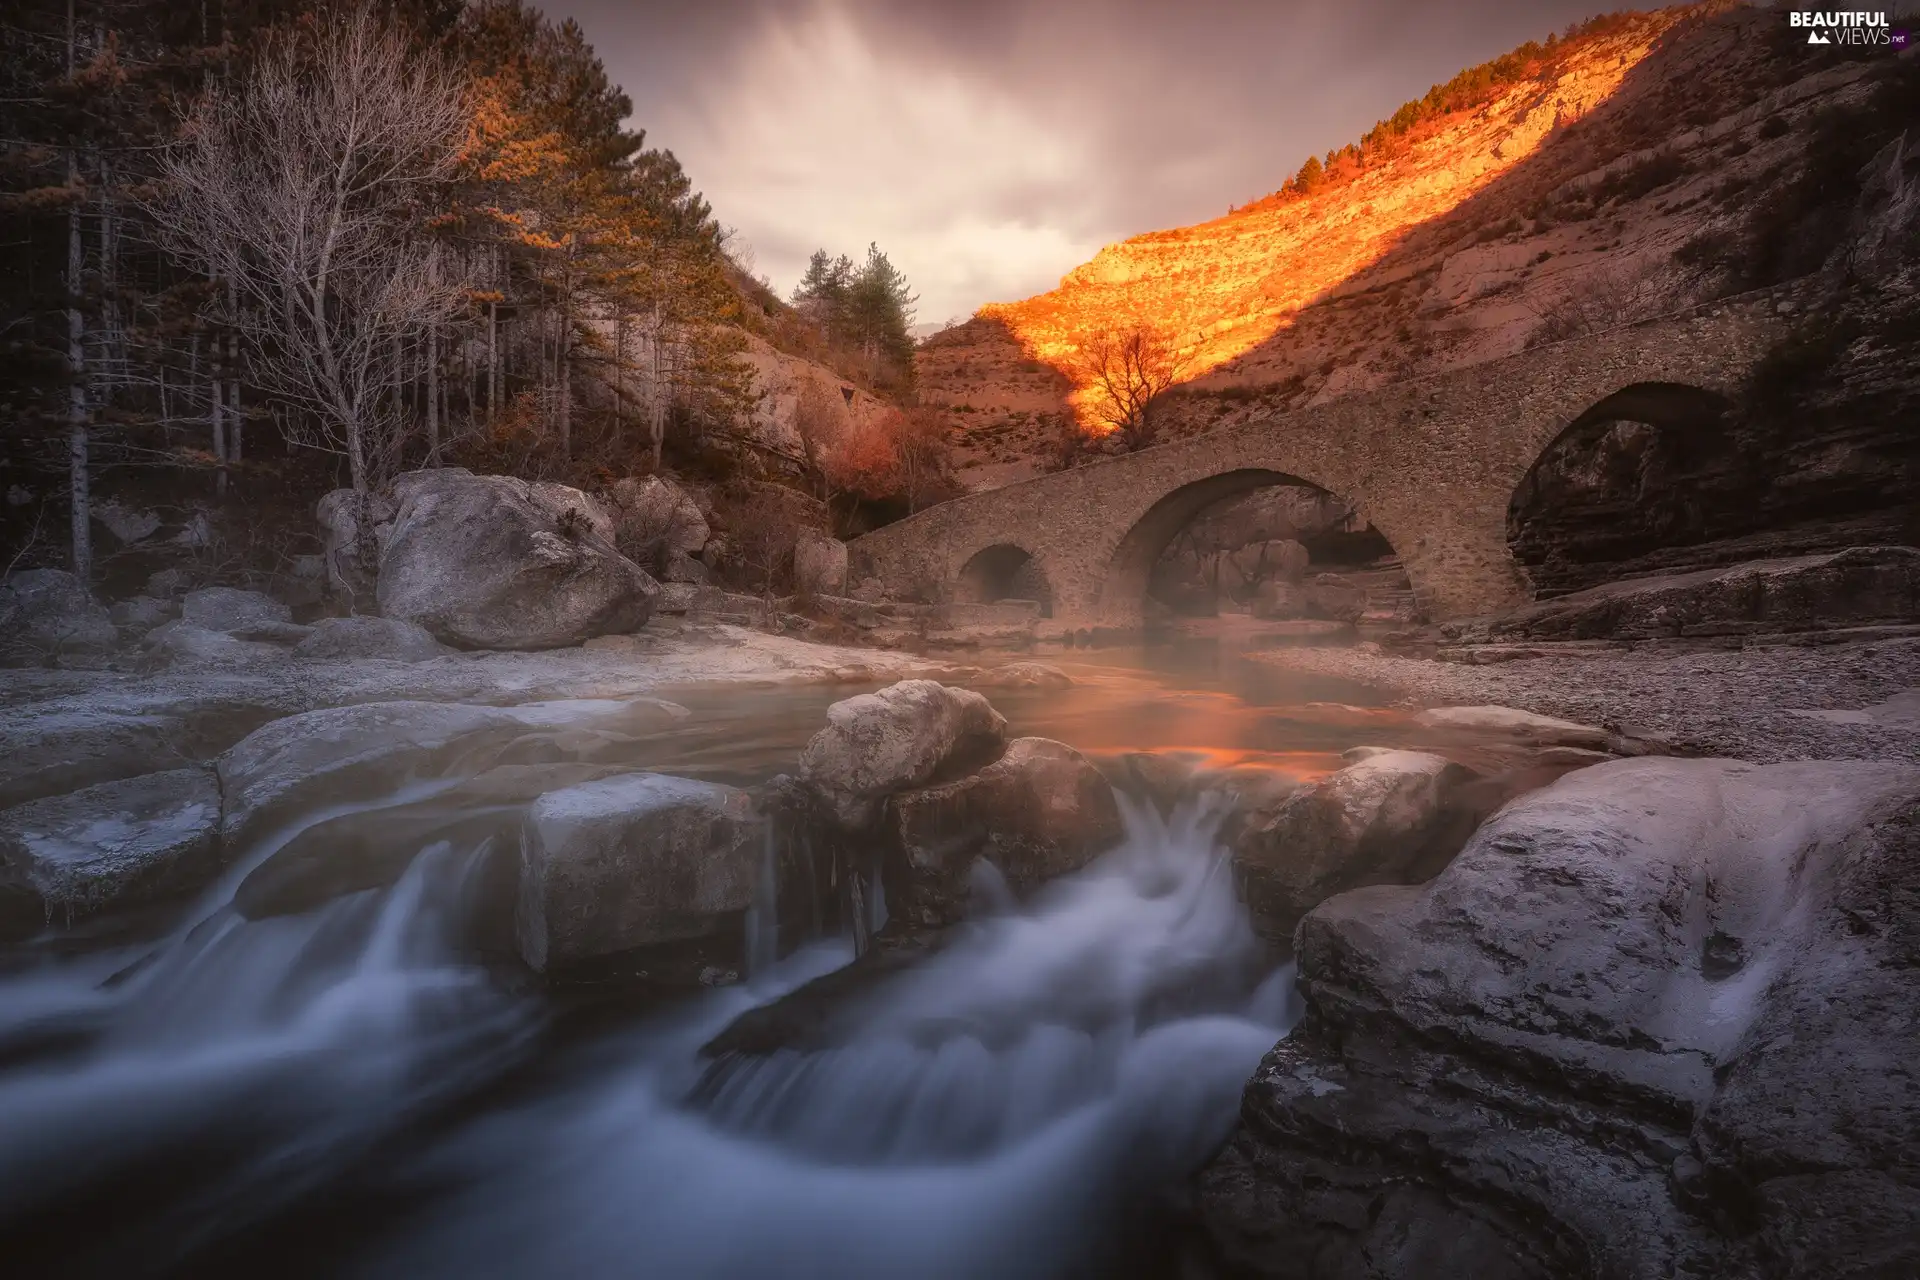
(367, 1087)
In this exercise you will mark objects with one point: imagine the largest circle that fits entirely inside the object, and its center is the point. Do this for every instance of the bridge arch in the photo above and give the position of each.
(1003, 571)
(1616, 491)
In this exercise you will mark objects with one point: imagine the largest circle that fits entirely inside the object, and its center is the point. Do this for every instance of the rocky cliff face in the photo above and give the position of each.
(1554, 208)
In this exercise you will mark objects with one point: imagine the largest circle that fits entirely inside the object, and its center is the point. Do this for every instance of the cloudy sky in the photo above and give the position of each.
(990, 146)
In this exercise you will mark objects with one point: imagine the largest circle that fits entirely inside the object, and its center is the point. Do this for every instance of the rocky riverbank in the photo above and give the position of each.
(1760, 703)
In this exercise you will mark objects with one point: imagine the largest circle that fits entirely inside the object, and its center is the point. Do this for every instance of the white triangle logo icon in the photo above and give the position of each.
(1814, 37)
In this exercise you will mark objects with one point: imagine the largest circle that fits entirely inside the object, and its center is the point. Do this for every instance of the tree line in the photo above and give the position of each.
(348, 239)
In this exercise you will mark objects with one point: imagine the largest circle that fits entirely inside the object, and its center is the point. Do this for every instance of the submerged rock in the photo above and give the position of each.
(902, 736)
(303, 762)
(1653, 1020)
(1040, 811)
(1023, 675)
(115, 844)
(1513, 723)
(491, 562)
(1390, 817)
(633, 862)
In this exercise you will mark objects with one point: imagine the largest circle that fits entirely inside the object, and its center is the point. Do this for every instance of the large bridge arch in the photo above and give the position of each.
(1432, 462)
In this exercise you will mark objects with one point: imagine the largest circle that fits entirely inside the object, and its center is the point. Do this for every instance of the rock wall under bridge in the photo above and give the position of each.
(1432, 462)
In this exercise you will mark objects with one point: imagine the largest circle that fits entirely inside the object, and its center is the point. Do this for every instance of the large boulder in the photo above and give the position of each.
(1654, 1020)
(1859, 586)
(46, 612)
(1040, 811)
(655, 521)
(319, 758)
(116, 844)
(633, 862)
(819, 564)
(1389, 818)
(137, 616)
(490, 562)
(905, 735)
(369, 637)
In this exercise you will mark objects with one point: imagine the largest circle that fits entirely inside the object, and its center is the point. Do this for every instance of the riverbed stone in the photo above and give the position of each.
(493, 562)
(340, 754)
(1023, 675)
(391, 639)
(1513, 724)
(115, 844)
(630, 862)
(902, 736)
(246, 615)
(1387, 818)
(1038, 812)
(1653, 1020)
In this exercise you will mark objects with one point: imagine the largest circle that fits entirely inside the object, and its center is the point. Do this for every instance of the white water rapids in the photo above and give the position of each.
(1001, 1110)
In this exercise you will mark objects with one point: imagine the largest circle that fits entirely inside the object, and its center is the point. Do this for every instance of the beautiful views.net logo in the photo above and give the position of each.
(1846, 28)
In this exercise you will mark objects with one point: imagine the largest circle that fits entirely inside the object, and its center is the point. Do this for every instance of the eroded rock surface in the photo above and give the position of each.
(369, 637)
(631, 862)
(115, 844)
(490, 562)
(902, 736)
(1391, 817)
(1652, 1021)
(1040, 811)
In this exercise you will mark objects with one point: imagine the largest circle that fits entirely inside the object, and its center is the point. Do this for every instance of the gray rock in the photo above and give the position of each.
(491, 562)
(902, 736)
(682, 567)
(117, 844)
(168, 584)
(1860, 586)
(1023, 675)
(1388, 818)
(654, 518)
(1513, 724)
(1654, 1020)
(46, 612)
(632, 862)
(127, 524)
(141, 614)
(245, 615)
(819, 564)
(369, 637)
(183, 646)
(1038, 812)
(75, 743)
(305, 762)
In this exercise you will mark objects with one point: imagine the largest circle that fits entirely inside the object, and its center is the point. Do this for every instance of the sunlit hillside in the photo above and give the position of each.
(1563, 176)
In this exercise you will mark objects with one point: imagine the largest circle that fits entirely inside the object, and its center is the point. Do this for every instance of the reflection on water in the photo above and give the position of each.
(345, 1084)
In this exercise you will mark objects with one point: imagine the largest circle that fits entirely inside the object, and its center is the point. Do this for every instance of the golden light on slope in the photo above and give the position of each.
(1224, 287)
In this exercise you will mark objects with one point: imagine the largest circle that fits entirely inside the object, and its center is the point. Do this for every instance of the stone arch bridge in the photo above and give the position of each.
(1431, 462)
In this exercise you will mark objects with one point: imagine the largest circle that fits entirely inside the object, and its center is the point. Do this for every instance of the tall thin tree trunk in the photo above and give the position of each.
(493, 361)
(433, 395)
(79, 478)
(657, 402)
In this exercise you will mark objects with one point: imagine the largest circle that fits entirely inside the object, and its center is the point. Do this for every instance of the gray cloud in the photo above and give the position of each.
(991, 145)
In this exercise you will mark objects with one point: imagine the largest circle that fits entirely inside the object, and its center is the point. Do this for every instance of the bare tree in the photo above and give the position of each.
(1598, 301)
(820, 420)
(1122, 372)
(305, 190)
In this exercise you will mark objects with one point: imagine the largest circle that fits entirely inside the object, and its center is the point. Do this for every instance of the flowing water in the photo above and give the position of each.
(367, 1087)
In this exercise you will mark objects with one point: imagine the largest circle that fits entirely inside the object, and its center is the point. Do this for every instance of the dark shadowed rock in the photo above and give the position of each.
(1039, 811)
(902, 736)
(631, 862)
(1856, 587)
(137, 616)
(654, 519)
(1389, 818)
(116, 844)
(245, 615)
(1654, 1020)
(490, 562)
(369, 637)
(45, 612)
